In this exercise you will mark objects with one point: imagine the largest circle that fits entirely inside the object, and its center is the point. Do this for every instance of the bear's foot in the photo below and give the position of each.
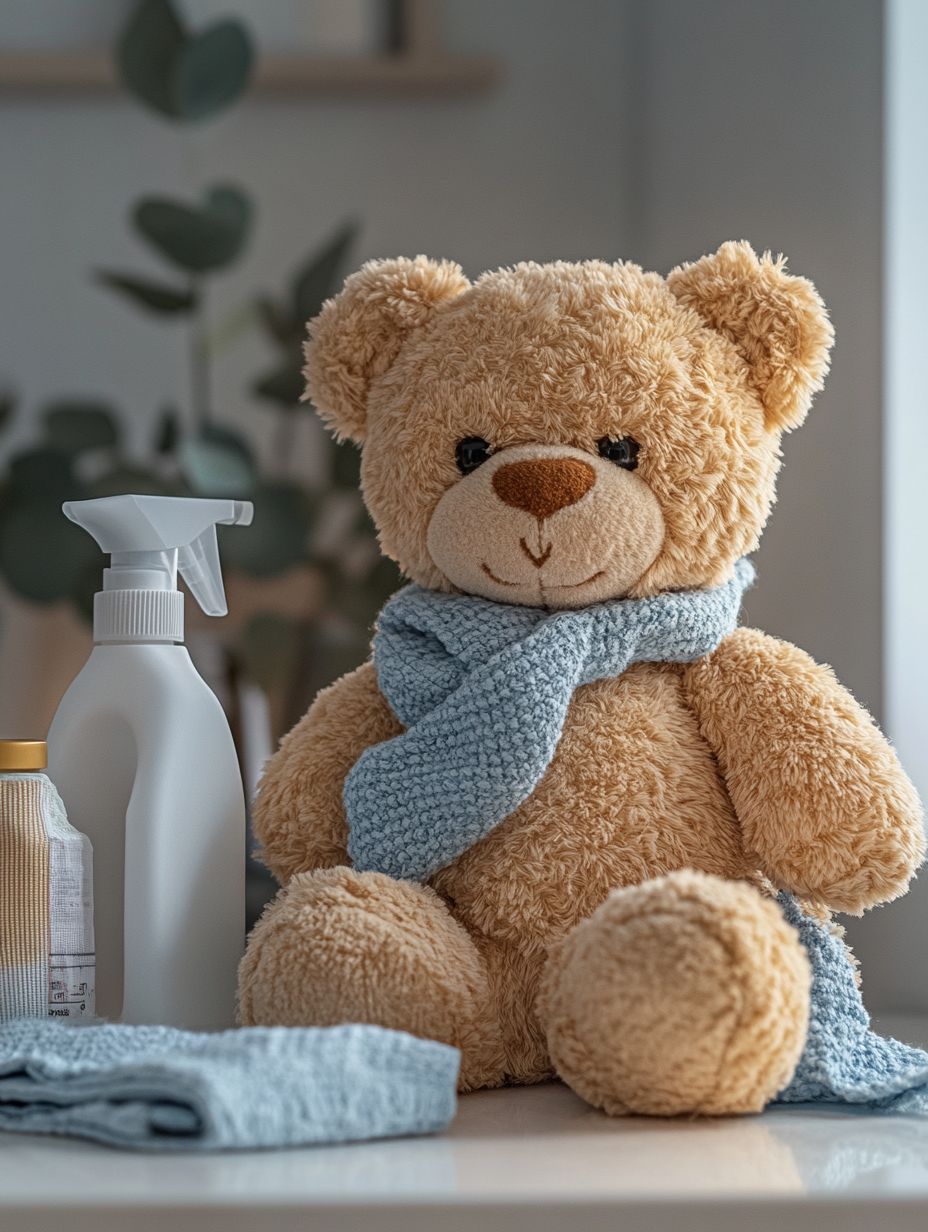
(341, 946)
(686, 994)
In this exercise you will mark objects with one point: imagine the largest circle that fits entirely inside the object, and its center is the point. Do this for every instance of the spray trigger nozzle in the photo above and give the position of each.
(198, 564)
(152, 538)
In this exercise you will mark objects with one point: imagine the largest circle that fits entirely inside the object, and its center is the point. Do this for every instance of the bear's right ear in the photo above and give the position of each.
(358, 333)
(776, 320)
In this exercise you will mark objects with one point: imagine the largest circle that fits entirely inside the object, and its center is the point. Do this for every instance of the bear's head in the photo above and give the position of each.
(557, 435)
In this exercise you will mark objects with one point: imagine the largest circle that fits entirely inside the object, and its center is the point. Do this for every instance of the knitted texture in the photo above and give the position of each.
(843, 1060)
(157, 1088)
(483, 689)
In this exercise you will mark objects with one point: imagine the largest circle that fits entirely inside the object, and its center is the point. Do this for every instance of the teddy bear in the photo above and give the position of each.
(572, 819)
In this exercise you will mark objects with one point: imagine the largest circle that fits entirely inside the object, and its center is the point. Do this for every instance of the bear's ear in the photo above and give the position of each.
(777, 321)
(358, 333)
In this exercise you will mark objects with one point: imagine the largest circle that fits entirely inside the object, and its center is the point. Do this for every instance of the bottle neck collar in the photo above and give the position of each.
(140, 615)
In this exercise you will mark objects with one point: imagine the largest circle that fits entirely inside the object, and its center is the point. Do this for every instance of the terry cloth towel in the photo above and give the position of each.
(158, 1088)
(483, 689)
(843, 1060)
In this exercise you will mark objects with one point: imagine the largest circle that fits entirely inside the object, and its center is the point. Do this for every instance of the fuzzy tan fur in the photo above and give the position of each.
(824, 809)
(684, 994)
(777, 322)
(373, 950)
(616, 929)
(360, 333)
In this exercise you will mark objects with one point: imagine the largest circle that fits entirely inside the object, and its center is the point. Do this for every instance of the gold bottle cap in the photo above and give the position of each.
(23, 755)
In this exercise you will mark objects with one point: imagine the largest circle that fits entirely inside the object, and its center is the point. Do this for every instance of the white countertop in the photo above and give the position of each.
(535, 1158)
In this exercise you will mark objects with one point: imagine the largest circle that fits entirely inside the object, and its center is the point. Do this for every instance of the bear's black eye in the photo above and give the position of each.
(623, 452)
(470, 453)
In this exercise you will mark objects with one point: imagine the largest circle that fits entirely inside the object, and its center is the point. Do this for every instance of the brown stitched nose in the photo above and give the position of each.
(542, 486)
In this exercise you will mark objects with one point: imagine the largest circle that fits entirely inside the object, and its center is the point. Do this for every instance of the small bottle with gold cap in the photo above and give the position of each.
(46, 894)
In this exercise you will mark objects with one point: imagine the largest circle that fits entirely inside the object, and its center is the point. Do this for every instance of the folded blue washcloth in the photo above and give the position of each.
(158, 1088)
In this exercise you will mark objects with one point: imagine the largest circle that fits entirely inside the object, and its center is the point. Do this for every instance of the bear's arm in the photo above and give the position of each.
(824, 805)
(299, 817)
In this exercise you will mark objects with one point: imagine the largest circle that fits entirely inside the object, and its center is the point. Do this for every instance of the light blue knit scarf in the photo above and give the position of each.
(483, 690)
(843, 1061)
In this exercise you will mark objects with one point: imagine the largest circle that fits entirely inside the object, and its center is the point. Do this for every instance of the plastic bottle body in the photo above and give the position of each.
(141, 750)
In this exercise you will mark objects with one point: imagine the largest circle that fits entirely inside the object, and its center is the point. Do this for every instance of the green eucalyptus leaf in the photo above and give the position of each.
(76, 426)
(7, 407)
(232, 206)
(320, 276)
(382, 581)
(281, 326)
(197, 238)
(148, 53)
(284, 384)
(45, 472)
(270, 648)
(179, 73)
(167, 432)
(276, 539)
(84, 585)
(218, 462)
(213, 70)
(154, 296)
(346, 465)
(41, 553)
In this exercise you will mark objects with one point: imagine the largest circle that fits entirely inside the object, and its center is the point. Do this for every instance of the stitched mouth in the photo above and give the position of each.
(566, 586)
(594, 577)
(498, 580)
(538, 560)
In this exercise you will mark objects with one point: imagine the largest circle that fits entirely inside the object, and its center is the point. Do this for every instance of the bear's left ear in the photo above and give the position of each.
(359, 333)
(777, 321)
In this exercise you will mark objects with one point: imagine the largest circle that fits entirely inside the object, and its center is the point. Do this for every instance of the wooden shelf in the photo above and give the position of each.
(417, 73)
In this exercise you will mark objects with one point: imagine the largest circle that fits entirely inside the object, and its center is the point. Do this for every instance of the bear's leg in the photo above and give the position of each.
(686, 994)
(341, 946)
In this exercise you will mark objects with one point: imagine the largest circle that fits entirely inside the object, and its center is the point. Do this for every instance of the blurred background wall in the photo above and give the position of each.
(764, 120)
(618, 128)
(534, 168)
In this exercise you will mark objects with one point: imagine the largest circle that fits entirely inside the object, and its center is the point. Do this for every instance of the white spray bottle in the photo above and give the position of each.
(141, 750)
